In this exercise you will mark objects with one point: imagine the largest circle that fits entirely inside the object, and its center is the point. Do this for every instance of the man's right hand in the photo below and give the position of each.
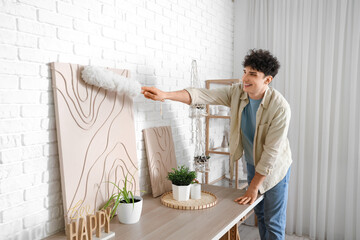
(153, 93)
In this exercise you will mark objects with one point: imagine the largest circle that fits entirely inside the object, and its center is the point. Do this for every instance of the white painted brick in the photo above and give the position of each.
(114, 55)
(36, 55)
(38, 137)
(35, 83)
(125, 47)
(135, 19)
(72, 36)
(145, 13)
(18, 68)
(7, 21)
(72, 10)
(55, 45)
(21, 210)
(153, 44)
(20, 154)
(10, 170)
(9, 82)
(46, 4)
(17, 183)
(85, 26)
(36, 165)
(113, 34)
(154, 26)
(50, 176)
(50, 149)
(53, 199)
(37, 232)
(12, 97)
(11, 199)
(54, 225)
(135, 39)
(135, 58)
(147, 70)
(41, 190)
(145, 33)
(154, 7)
(26, 40)
(9, 111)
(87, 50)
(101, 42)
(36, 28)
(169, 48)
(51, 17)
(126, 27)
(9, 228)
(48, 123)
(7, 37)
(47, 97)
(35, 219)
(21, 10)
(45, 70)
(109, 10)
(165, 3)
(101, 19)
(103, 62)
(9, 141)
(73, 58)
(37, 111)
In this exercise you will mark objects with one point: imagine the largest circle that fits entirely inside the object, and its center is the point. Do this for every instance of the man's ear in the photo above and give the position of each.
(268, 79)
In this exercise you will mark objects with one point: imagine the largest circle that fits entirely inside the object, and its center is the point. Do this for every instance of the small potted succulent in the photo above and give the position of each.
(181, 179)
(127, 206)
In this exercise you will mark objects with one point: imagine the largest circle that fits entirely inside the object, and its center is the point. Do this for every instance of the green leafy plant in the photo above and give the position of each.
(181, 176)
(122, 196)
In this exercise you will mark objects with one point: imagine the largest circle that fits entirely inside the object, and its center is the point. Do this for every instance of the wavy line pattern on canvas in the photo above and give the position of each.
(160, 153)
(96, 138)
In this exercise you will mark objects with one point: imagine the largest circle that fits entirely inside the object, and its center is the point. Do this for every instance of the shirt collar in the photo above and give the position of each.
(265, 100)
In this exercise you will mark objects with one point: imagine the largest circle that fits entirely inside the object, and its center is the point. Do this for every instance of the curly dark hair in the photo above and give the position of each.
(263, 61)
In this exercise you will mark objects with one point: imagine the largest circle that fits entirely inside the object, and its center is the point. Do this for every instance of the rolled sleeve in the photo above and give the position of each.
(275, 141)
(217, 96)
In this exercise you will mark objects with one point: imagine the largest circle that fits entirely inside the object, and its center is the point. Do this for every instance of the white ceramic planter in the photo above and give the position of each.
(181, 193)
(129, 213)
(195, 191)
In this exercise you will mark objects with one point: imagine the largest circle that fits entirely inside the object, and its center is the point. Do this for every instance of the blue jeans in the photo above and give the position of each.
(271, 211)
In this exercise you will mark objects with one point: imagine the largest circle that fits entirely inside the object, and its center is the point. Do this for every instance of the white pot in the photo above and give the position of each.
(181, 193)
(129, 213)
(195, 191)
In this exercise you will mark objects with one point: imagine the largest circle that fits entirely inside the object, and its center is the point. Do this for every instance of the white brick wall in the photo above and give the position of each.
(155, 39)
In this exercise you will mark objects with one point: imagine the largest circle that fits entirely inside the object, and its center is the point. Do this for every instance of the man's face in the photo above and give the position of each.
(255, 83)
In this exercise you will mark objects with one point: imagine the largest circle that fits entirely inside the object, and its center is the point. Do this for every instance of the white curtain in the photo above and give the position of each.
(318, 45)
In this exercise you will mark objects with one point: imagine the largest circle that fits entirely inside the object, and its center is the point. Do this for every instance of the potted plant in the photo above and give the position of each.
(127, 206)
(181, 179)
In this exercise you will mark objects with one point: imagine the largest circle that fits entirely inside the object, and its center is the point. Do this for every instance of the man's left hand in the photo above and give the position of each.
(249, 197)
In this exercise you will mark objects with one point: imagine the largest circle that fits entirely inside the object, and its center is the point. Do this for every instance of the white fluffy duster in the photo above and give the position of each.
(109, 80)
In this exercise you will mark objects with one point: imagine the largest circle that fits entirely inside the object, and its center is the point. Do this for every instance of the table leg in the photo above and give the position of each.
(232, 234)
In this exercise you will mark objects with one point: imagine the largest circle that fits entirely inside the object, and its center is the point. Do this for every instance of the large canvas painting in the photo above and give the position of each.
(96, 140)
(160, 153)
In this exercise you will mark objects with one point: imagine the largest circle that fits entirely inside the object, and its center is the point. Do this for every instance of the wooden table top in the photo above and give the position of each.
(160, 222)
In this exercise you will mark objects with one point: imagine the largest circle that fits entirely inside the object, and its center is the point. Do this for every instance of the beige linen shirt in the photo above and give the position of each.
(272, 154)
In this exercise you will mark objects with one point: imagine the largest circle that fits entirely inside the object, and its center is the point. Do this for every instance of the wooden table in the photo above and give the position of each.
(160, 222)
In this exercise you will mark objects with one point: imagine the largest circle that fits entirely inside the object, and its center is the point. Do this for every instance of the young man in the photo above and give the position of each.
(260, 118)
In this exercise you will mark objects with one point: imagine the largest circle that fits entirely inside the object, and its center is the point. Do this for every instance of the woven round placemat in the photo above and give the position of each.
(207, 200)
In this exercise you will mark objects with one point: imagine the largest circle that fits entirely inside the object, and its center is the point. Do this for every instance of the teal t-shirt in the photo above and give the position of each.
(248, 125)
